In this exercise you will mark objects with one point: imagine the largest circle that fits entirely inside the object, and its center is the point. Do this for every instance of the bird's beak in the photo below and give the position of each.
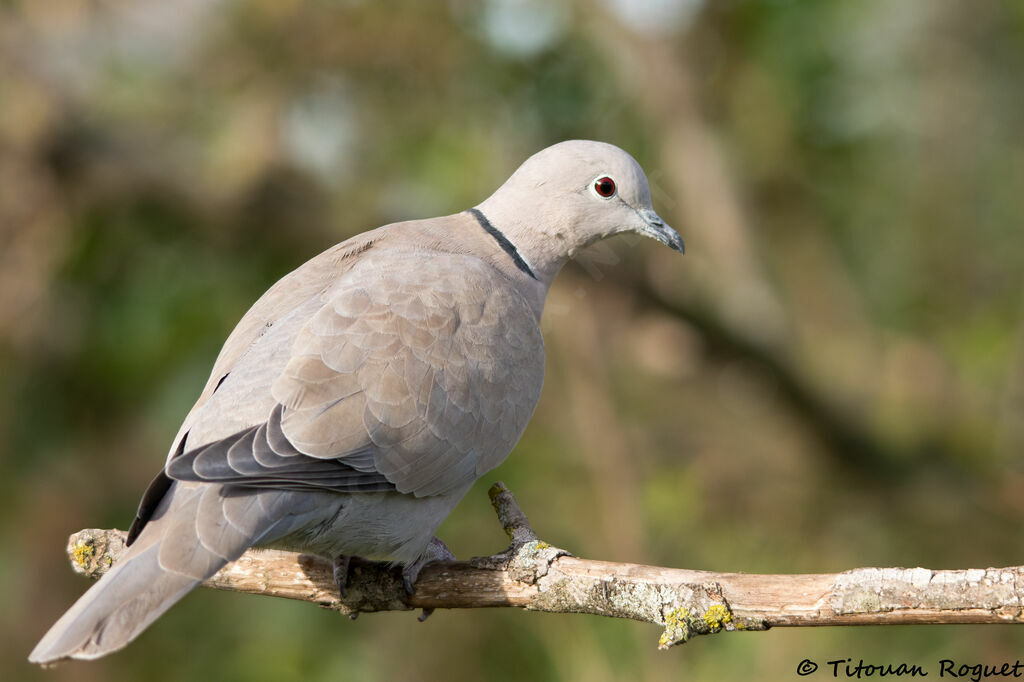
(654, 227)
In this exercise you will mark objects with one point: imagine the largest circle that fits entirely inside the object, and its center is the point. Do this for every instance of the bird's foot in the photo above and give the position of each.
(436, 551)
(340, 572)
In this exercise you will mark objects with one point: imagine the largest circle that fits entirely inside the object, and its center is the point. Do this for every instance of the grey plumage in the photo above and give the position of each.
(363, 394)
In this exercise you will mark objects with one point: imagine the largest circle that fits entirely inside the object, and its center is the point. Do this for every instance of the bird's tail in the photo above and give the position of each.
(195, 530)
(115, 610)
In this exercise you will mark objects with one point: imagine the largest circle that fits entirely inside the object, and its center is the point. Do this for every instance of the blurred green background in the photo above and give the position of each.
(832, 377)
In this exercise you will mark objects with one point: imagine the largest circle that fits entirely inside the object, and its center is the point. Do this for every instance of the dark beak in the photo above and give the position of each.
(656, 228)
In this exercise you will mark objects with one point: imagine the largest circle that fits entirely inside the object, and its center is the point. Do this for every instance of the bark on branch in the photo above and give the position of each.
(534, 575)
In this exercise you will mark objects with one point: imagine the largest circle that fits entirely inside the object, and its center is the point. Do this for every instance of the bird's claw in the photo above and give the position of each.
(340, 573)
(436, 551)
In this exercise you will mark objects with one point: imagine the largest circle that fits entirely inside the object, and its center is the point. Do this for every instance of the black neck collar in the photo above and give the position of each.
(506, 246)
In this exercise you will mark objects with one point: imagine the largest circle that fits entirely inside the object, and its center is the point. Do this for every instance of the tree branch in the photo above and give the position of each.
(534, 575)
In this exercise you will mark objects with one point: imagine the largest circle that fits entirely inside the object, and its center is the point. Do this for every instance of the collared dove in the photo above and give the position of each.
(363, 394)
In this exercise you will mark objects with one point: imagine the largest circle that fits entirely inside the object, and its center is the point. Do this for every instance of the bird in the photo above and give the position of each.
(362, 395)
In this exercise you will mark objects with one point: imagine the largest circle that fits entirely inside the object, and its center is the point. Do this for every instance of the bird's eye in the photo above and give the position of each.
(605, 187)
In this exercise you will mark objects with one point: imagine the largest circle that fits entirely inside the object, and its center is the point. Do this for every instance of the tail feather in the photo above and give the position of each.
(191, 535)
(115, 610)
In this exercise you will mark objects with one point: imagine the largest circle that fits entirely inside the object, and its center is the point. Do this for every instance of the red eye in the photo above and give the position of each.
(605, 187)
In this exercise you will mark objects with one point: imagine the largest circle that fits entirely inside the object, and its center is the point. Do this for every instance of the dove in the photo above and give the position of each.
(364, 393)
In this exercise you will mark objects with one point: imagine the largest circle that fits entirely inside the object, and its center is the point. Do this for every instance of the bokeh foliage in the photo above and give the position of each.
(832, 377)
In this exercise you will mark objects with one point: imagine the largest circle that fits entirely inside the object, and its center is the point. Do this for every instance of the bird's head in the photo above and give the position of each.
(570, 195)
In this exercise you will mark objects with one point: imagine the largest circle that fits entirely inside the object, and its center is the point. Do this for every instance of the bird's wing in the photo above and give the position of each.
(263, 334)
(262, 457)
(417, 373)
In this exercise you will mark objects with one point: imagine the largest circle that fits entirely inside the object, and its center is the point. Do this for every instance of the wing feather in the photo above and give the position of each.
(412, 374)
(419, 347)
